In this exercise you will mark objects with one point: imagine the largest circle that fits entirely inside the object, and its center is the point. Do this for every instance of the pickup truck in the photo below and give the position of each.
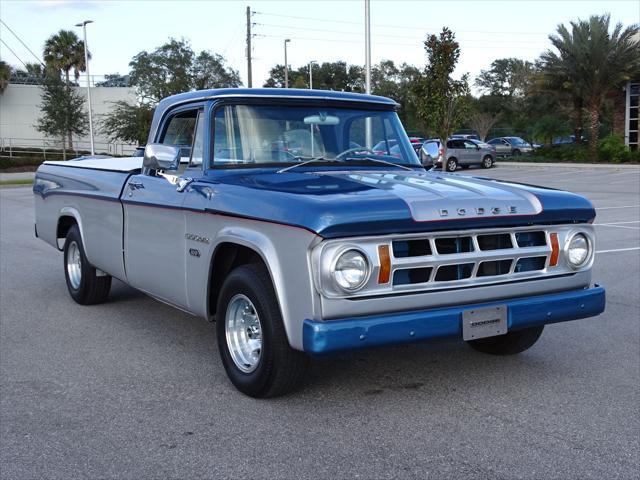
(268, 212)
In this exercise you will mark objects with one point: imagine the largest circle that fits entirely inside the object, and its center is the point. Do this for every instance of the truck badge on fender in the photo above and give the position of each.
(196, 238)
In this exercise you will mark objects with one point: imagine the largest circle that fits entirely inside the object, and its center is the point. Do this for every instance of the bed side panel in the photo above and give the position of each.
(93, 198)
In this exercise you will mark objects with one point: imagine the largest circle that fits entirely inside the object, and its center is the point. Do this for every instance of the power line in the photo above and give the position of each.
(403, 27)
(14, 53)
(475, 45)
(411, 37)
(23, 44)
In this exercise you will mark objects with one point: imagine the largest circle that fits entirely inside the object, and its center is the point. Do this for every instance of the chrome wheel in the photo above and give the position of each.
(244, 333)
(487, 162)
(74, 265)
(451, 165)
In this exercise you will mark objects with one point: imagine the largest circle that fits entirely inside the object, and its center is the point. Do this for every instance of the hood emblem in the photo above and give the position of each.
(461, 212)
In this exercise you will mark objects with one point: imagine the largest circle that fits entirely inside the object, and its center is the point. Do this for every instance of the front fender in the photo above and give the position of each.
(285, 252)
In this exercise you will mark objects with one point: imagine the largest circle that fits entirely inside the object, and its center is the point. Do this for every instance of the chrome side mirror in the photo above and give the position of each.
(161, 157)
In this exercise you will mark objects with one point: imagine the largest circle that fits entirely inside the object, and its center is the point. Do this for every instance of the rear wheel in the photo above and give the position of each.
(487, 162)
(452, 165)
(86, 284)
(510, 343)
(252, 340)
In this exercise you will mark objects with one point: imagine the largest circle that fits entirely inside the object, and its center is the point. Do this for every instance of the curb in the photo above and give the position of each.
(616, 166)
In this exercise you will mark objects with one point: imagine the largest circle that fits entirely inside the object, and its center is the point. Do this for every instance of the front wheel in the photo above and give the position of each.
(252, 340)
(508, 344)
(516, 153)
(487, 162)
(86, 285)
(452, 165)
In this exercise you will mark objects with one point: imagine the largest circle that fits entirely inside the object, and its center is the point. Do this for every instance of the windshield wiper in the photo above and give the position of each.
(377, 160)
(307, 162)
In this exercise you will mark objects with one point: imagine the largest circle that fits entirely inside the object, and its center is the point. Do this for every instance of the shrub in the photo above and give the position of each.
(612, 149)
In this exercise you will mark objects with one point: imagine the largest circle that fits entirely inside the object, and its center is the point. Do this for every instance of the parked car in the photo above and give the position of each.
(297, 256)
(460, 152)
(385, 147)
(567, 140)
(468, 136)
(510, 146)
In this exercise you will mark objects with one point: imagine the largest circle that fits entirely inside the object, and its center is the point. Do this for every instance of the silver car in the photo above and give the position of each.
(510, 146)
(460, 152)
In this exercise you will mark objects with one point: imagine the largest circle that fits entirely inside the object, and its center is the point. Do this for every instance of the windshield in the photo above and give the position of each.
(261, 135)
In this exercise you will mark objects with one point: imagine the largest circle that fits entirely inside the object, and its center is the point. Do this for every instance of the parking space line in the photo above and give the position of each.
(622, 206)
(618, 250)
(616, 226)
(618, 223)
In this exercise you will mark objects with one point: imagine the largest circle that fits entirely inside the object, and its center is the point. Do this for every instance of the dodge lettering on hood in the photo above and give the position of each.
(303, 224)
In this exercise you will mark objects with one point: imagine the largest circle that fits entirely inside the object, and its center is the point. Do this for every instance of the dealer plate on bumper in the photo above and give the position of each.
(484, 322)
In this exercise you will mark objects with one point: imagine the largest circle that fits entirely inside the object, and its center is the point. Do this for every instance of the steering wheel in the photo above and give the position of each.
(355, 149)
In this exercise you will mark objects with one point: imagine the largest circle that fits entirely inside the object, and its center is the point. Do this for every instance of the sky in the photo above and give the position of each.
(328, 30)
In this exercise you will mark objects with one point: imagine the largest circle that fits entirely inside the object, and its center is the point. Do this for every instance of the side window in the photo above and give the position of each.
(181, 132)
(469, 145)
(180, 129)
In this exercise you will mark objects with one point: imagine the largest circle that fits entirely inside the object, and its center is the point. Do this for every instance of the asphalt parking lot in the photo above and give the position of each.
(134, 389)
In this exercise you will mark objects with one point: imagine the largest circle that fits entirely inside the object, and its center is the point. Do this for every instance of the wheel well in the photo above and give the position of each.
(64, 224)
(226, 257)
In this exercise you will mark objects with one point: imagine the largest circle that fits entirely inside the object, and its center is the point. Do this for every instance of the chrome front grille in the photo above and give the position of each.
(443, 260)
(460, 259)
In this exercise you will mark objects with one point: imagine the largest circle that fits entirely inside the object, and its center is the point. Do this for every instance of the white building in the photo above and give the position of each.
(20, 110)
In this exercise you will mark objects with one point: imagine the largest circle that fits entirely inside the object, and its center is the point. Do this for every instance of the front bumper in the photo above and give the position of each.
(321, 337)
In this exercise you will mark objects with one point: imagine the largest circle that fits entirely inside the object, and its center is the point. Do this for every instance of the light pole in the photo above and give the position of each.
(311, 74)
(286, 66)
(86, 66)
(367, 65)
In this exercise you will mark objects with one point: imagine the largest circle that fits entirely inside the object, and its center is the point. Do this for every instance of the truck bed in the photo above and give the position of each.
(86, 188)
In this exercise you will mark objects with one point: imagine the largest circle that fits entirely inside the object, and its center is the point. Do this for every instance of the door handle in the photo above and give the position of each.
(135, 185)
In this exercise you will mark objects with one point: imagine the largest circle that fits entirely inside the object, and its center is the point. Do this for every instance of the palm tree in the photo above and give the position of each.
(64, 51)
(591, 62)
(5, 75)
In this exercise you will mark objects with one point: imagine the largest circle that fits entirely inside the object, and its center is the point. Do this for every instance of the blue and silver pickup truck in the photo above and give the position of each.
(267, 211)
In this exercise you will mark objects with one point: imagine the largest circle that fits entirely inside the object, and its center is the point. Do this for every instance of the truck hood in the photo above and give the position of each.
(375, 202)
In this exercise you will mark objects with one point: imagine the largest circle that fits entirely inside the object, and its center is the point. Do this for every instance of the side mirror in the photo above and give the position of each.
(161, 157)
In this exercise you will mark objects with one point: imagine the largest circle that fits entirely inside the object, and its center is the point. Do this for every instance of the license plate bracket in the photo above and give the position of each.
(484, 322)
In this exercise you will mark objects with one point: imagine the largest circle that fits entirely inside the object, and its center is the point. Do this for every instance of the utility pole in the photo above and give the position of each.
(86, 66)
(249, 76)
(286, 65)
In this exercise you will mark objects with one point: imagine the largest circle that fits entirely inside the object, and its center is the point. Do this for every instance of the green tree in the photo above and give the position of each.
(209, 71)
(336, 76)
(5, 75)
(169, 69)
(507, 77)
(128, 123)
(442, 101)
(590, 62)
(163, 72)
(62, 110)
(64, 52)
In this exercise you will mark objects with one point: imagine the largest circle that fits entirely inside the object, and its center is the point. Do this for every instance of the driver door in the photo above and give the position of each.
(154, 221)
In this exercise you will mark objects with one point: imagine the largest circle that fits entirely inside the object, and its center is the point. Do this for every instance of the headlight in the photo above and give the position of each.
(351, 270)
(579, 250)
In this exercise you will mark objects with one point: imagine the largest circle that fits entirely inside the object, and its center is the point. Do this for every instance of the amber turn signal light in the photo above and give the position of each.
(385, 264)
(555, 250)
